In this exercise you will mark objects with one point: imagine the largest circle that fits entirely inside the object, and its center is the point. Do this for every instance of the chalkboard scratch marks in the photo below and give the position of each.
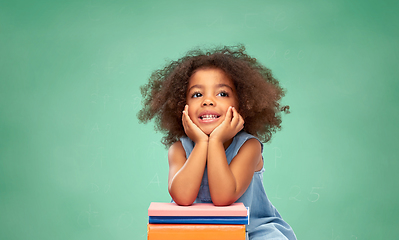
(277, 154)
(90, 217)
(98, 157)
(315, 194)
(125, 220)
(109, 66)
(154, 180)
(214, 22)
(95, 188)
(337, 237)
(300, 55)
(277, 192)
(107, 187)
(287, 52)
(295, 192)
(136, 102)
(121, 103)
(278, 25)
(106, 100)
(246, 20)
(95, 128)
(273, 54)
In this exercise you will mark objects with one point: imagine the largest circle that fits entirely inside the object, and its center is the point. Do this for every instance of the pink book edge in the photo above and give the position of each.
(196, 209)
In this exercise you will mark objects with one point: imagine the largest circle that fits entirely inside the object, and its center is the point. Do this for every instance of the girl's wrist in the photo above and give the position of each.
(220, 136)
(202, 140)
(213, 140)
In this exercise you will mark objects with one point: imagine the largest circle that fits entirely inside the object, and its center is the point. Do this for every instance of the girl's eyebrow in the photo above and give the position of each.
(224, 85)
(220, 85)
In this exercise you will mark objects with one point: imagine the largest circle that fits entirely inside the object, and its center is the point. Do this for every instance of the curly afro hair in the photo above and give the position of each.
(258, 92)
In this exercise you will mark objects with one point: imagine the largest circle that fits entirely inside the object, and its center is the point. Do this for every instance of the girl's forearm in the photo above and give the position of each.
(185, 184)
(222, 183)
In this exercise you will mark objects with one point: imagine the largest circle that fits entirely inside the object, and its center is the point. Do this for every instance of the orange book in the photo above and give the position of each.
(195, 232)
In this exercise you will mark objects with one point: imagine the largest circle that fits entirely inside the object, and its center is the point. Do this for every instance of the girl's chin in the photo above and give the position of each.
(208, 131)
(208, 128)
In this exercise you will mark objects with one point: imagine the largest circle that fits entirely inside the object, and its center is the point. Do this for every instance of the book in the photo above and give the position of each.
(198, 219)
(197, 209)
(195, 232)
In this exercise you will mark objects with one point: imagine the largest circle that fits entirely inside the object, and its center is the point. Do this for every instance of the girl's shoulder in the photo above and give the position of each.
(176, 144)
(243, 137)
(175, 147)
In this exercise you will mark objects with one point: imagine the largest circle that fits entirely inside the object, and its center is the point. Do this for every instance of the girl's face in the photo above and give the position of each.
(210, 93)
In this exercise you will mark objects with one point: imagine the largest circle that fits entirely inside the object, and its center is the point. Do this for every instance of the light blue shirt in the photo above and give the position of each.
(265, 221)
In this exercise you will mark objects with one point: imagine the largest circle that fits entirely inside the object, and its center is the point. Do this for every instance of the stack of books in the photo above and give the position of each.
(199, 221)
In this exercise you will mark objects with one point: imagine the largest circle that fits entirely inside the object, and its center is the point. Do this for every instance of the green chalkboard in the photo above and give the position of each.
(76, 164)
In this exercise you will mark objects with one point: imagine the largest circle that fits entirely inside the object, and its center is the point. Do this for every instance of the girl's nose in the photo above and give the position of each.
(207, 102)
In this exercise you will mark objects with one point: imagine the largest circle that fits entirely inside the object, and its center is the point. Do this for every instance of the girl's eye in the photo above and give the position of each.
(223, 94)
(197, 94)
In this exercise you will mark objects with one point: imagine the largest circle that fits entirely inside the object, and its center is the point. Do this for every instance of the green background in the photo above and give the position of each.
(76, 164)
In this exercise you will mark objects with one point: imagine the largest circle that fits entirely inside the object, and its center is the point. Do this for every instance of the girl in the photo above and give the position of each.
(216, 108)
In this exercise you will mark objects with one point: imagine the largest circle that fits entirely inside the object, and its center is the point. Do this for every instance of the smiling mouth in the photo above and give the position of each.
(208, 117)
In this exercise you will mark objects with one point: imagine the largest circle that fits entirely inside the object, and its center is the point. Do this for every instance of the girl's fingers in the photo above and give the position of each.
(241, 123)
(238, 121)
(185, 117)
(229, 115)
(235, 119)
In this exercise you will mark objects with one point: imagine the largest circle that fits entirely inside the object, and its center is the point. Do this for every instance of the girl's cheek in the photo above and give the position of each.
(191, 113)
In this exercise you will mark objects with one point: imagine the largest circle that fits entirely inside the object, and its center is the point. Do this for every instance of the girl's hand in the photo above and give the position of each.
(192, 131)
(231, 125)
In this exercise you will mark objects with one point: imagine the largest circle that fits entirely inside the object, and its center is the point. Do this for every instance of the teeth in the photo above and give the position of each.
(209, 116)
